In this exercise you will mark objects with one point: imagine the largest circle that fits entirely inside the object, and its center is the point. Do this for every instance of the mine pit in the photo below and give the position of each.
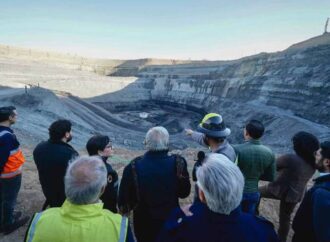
(144, 115)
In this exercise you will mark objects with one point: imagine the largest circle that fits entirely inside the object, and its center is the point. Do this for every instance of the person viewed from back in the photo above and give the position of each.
(219, 217)
(152, 185)
(52, 158)
(311, 222)
(212, 132)
(11, 162)
(256, 161)
(100, 145)
(293, 173)
(198, 163)
(81, 218)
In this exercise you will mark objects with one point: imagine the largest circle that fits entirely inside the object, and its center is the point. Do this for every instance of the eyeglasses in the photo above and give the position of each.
(317, 154)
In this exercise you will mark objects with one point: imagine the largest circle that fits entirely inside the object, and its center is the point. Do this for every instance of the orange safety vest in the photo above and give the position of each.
(13, 166)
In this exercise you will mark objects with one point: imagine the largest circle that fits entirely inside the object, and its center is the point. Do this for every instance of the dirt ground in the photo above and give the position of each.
(31, 198)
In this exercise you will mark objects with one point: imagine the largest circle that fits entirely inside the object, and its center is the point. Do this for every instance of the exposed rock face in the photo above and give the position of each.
(277, 88)
(297, 80)
(289, 91)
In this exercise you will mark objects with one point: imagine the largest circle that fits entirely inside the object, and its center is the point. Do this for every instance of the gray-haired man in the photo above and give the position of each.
(82, 217)
(219, 217)
(152, 184)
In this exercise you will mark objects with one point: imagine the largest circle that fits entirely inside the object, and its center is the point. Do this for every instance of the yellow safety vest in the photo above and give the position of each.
(77, 223)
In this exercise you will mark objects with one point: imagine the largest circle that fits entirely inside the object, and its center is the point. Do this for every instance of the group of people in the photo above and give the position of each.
(86, 202)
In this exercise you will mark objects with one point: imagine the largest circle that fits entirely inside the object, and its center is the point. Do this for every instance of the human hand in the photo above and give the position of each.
(189, 132)
(186, 210)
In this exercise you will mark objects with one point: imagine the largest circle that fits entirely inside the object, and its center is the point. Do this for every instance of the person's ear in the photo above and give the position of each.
(201, 195)
(206, 141)
(102, 190)
(100, 152)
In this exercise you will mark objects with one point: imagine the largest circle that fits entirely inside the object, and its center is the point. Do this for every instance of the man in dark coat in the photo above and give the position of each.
(311, 222)
(218, 218)
(152, 185)
(52, 158)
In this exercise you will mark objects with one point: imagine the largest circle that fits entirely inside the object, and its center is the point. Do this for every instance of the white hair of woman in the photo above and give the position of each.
(85, 180)
(221, 182)
(157, 139)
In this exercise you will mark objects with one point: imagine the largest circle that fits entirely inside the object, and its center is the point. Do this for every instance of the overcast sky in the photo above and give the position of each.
(174, 29)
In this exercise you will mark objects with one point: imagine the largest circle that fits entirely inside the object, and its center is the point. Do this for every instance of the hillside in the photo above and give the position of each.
(289, 91)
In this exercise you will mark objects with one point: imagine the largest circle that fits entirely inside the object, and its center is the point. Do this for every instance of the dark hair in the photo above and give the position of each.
(200, 155)
(305, 145)
(255, 128)
(6, 112)
(325, 149)
(96, 143)
(58, 129)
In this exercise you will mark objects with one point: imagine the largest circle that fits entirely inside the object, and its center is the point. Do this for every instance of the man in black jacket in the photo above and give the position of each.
(152, 185)
(311, 222)
(52, 158)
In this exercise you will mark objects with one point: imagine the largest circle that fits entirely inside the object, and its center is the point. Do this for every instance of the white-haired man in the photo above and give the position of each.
(152, 184)
(82, 217)
(218, 218)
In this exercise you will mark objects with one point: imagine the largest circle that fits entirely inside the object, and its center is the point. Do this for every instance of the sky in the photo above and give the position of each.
(171, 29)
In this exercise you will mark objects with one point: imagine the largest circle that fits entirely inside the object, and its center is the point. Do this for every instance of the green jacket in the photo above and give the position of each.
(256, 162)
(77, 223)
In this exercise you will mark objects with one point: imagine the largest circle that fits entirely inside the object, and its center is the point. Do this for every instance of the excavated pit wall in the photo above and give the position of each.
(289, 91)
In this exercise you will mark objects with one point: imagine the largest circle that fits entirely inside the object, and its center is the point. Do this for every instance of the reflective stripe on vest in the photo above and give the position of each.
(13, 152)
(11, 174)
(2, 133)
(123, 229)
(33, 227)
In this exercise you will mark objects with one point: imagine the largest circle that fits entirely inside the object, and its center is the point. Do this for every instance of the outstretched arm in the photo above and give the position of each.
(196, 136)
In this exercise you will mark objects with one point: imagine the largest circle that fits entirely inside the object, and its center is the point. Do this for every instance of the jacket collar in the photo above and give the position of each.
(254, 141)
(213, 216)
(161, 153)
(324, 178)
(60, 142)
(2, 128)
(221, 146)
(81, 212)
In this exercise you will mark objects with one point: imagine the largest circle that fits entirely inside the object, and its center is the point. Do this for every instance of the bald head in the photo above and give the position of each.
(84, 180)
